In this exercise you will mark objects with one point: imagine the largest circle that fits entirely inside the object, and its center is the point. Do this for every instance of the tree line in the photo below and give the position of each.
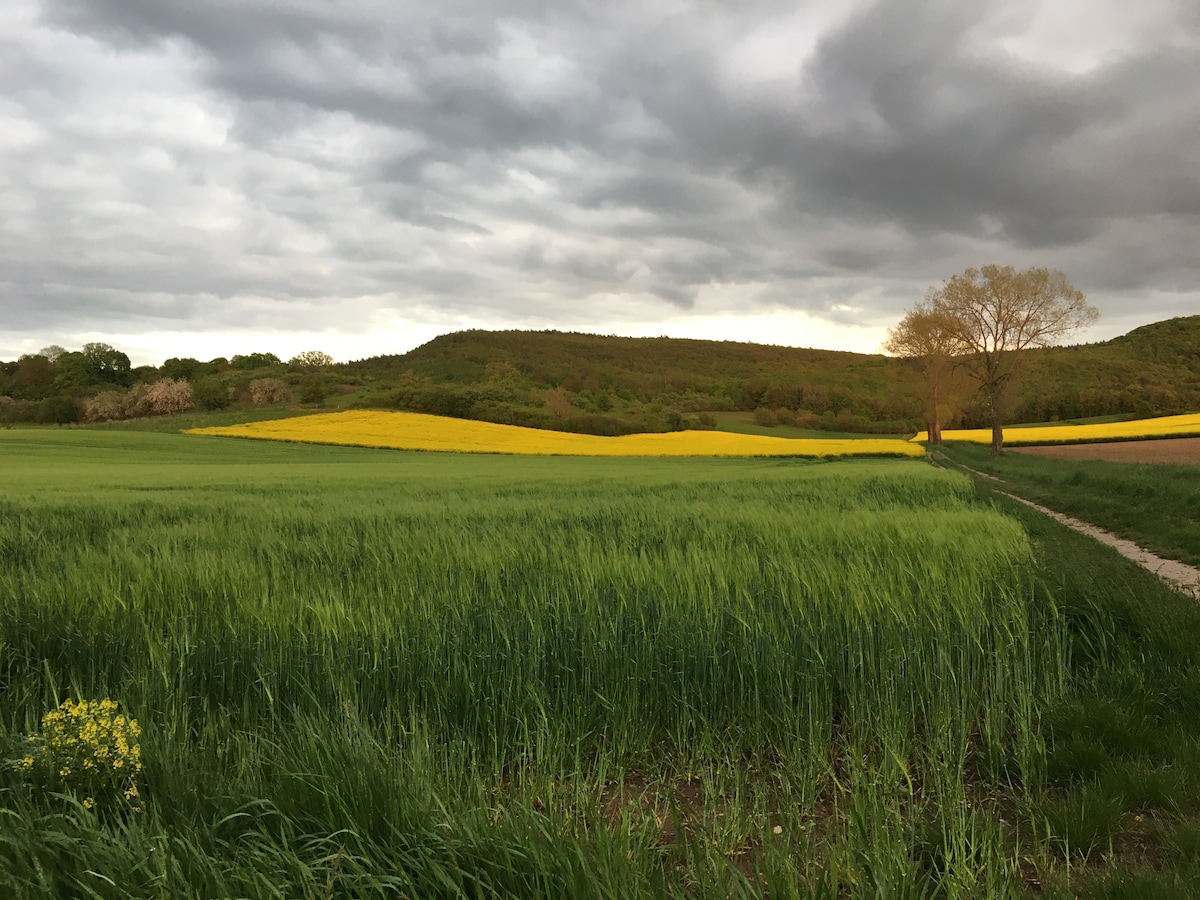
(652, 382)
(612, 385)
(98, 383)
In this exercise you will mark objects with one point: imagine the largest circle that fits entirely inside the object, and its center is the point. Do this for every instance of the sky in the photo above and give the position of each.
(211, 177)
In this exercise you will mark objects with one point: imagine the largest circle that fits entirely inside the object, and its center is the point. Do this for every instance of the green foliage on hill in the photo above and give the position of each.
(616, 385)
(1152, 370)
(659, 381)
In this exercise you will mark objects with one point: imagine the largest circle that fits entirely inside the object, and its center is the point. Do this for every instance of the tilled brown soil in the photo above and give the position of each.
(1166, 450)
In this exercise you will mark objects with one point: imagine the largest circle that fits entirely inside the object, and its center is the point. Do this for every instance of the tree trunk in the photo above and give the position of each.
(935, 427)
(997, 426)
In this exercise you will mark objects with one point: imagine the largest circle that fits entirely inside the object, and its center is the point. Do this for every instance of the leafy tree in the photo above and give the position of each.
(502, 372)
(52, 352)
(10, 411)
(181, 367)
(311, 359)
(73, 372)
(784, 416)
(57, 410)
(929, 336)
(254, 361)
(996, 313)
(210, 393)
(35, 374)
(108, 364)
(313, 390)
(144, 374)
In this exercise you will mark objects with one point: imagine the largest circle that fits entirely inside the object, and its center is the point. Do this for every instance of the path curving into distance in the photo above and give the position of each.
(1183, 578)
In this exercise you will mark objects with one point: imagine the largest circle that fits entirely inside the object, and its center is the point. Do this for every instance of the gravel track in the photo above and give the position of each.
(1183, 578)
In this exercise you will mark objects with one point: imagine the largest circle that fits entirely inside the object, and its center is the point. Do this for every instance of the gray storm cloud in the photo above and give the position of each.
(181, 164)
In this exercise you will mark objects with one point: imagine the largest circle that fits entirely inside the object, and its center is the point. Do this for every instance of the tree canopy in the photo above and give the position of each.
(254, 360)
(928, 335)
(108, 364)
(995, 313)
(311, 359)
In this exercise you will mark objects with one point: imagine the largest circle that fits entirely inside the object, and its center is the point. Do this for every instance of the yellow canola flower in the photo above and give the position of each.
(416, 431)
(1163, 426)
(83, 747)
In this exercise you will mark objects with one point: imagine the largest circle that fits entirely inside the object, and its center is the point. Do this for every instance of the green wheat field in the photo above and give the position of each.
(365, 673)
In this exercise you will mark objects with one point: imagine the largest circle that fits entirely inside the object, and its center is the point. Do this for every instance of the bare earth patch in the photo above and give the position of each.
(1167, 450)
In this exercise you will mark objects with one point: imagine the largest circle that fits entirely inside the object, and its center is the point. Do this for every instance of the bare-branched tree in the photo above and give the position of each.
(996, 313)
(558, 403)
(929, 336)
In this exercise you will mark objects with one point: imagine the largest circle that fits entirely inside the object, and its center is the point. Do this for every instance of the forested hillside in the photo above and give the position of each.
(1152, 370)
(641, 380)
(612, 385)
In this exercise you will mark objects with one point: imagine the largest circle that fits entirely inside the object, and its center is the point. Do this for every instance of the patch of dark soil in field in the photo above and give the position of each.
(1185, 451)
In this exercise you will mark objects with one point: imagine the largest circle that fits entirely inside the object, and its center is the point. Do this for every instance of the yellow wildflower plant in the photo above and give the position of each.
(417, 431)
(88, 748)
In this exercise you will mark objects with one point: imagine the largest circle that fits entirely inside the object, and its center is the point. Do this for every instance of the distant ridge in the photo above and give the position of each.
(1180, 334)
(558, 357)
(605, 384)
(1153, 369)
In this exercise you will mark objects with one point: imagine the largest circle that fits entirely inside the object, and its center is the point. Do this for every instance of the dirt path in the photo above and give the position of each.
(1180, 576)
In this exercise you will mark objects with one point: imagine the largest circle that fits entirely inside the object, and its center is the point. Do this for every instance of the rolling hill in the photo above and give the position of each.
(619, 385)
(1152, 370)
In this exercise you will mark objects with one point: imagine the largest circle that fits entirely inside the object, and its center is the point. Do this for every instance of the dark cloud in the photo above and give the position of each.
(216, 165)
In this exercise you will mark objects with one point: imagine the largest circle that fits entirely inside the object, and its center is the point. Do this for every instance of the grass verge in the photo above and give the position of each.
(1119, 813)
(1154, 505)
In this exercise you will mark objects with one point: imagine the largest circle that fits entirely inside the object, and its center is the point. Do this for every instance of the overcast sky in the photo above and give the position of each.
(210, 177)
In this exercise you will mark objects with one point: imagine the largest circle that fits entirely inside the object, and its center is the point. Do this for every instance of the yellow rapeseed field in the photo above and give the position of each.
(1164, 426)
(414, 431)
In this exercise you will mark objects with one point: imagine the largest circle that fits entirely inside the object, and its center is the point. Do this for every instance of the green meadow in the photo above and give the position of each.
(366, 673)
